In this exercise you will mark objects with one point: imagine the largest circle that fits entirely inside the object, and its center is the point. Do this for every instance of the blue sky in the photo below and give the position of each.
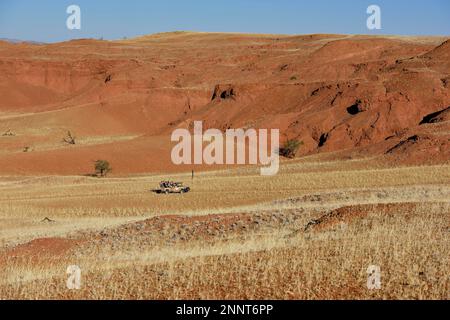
(45, 20)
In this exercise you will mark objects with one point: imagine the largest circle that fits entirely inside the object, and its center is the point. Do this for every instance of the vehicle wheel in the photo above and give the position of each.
(166, 192)
(182, 191)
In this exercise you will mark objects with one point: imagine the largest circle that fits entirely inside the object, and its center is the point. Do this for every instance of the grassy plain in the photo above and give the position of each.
(309, 232)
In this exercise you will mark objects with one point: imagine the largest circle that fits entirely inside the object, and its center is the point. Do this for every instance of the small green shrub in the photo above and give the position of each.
(290, 148)
(102, 168)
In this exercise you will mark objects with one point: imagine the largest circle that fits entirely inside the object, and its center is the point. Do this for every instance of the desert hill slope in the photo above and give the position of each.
(359, 95)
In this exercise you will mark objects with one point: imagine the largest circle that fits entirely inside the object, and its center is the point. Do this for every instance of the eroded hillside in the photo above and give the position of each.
(360, 95)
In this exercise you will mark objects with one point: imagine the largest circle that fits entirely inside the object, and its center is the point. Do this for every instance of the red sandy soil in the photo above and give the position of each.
(41, 251)
(377, 96)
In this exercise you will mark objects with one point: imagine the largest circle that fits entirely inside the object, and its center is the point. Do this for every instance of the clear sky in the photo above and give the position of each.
(45, 20)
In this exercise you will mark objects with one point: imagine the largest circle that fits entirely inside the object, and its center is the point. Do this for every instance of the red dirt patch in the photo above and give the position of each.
(41, 250)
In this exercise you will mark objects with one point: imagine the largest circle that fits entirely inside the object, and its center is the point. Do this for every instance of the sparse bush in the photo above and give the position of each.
(290, 148)
(102, 168)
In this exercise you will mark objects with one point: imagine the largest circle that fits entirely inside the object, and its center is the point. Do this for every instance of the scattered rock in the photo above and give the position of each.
(356, 108)
(436, 117)
(411, 140)
(323, 139)
(223, 92)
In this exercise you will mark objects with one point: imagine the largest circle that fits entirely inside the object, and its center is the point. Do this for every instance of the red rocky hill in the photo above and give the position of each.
(362, 95)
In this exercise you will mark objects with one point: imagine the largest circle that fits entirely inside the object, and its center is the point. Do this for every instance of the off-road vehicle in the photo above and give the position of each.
(172, 187)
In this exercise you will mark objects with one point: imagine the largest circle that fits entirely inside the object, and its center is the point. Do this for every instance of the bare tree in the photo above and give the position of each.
(8, 133)
(69, 139)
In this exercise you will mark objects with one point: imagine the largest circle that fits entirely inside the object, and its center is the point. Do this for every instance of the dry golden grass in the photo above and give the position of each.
(398, 219)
